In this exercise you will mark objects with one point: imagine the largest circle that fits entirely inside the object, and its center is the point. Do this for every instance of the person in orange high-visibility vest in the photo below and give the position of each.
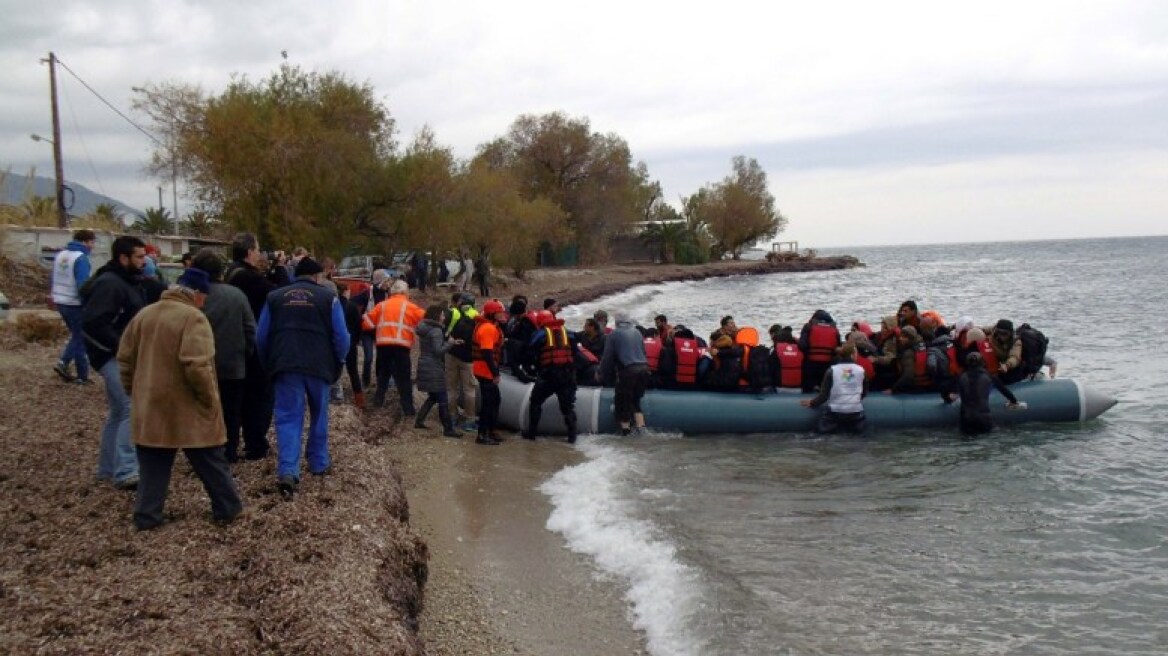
(487, 353)
(394, 321)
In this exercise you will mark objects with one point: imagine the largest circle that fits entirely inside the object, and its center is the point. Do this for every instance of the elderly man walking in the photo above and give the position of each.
(167, 364)
(303, 342)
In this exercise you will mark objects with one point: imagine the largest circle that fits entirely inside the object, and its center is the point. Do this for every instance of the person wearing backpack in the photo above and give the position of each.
(1034, 351)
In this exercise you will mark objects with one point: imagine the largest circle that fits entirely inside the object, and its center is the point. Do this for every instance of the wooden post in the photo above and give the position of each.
(62, 215)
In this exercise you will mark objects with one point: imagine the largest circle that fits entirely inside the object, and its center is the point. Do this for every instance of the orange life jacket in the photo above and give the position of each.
(790, 365)
(686, 349)
(557, 350)
(653, 352)
(821, 342)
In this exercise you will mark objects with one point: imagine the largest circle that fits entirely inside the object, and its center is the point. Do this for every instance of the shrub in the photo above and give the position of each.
(40, 329)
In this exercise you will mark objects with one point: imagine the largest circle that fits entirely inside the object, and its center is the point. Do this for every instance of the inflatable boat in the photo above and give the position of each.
(698, 412)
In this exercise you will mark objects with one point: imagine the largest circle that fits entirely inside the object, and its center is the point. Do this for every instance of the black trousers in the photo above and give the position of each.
(259, 399)
(351, 368)
(489, 402)
(631, 383)
(154, 468)
(395, 361)
(231, 400)
(562, 383)
(852, 422)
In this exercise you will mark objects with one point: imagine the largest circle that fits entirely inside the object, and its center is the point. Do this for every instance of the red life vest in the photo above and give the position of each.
(790, 365)
(987, 353)
(588, 355)
(954, 365)
(821, 342)
(686, 349)
(865, 363)
(653, 352)
(557, 350)
(921, 368)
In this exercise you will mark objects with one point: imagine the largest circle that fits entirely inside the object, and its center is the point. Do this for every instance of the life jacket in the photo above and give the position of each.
(821, 342)
(686, 349)
(865, 363)
(588, 355)
(557, 350)
(653, 353)
(790, 360)
(921, 378)
(955, 368)
(747, 338)
(987, 353)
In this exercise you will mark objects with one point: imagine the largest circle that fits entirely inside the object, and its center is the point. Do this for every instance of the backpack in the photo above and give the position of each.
(1034, 345)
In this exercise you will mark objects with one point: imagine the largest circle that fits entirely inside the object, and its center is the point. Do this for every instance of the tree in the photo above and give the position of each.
(38, 211)
(156, 221)
(299, 158)
(106, 216)
(201, 223)
(738, 211)
(588, 175)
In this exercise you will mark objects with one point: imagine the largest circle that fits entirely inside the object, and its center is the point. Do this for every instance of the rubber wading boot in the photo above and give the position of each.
(420, 420)
(570, 421)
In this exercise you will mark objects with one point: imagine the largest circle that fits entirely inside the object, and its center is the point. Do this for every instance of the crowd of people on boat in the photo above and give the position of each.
(210, 363)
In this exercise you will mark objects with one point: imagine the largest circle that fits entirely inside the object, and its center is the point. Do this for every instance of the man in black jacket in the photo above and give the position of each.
(973, 386)
(258, 397)
(112, 298)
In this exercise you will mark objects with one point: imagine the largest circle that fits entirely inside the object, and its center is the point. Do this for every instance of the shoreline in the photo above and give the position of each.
(415, 544)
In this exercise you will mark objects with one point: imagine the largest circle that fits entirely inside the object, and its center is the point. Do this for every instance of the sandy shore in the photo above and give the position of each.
(416, 544)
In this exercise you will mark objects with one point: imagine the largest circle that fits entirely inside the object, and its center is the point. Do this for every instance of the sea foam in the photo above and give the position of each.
(594, 509)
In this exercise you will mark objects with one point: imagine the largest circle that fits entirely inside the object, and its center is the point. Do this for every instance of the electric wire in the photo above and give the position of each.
(81, 138)
(110, 105)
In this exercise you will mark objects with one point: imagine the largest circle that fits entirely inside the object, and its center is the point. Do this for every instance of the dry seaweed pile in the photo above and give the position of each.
(24, 282)
(338, 570)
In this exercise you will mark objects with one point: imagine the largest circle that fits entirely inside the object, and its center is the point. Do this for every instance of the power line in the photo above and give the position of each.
(110, 105)
(81, 138)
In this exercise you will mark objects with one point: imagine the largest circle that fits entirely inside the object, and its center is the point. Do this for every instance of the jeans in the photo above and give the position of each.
(75, 349)
(116, 459)
(292, 390)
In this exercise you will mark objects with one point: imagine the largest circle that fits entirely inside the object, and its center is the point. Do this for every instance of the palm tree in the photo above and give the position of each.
(156, 221)
(201, 223)
(668, 236)
(106, 216)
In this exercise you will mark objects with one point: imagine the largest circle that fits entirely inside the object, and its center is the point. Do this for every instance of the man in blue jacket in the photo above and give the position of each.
(71, 269)
(303, 341)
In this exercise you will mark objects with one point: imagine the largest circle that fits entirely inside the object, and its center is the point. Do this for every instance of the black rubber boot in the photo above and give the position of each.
(533, 415)
(420, 422)
(570, 421)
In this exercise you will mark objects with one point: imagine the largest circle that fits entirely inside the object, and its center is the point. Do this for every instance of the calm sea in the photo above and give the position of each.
(1046, 539)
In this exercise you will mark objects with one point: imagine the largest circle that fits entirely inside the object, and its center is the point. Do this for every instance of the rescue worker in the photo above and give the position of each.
(487, 350)
(71, 269)
(395, 320)
(818, 341)
(973, 387)
(553, 351)
(624, 356)
(842, 389)
(459, 323)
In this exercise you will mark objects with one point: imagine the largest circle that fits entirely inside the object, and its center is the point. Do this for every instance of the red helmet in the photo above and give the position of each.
(544, 318)
(493, 307)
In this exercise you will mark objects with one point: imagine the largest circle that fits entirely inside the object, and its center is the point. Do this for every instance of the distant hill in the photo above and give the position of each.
(84, 199)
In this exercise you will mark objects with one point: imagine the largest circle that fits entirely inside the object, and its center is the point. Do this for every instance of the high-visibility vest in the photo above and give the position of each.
(395, 319)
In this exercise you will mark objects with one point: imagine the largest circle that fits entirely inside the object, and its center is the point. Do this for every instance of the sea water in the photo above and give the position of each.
(1038, 539)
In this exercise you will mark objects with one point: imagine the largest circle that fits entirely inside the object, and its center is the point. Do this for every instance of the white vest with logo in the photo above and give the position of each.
(65, 290)
(847, 388)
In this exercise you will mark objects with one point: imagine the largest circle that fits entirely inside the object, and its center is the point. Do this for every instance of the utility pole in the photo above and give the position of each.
(174, 188)
(160, 205)
(59, 169)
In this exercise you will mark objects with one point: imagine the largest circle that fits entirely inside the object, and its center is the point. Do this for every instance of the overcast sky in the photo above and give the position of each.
(877, 122)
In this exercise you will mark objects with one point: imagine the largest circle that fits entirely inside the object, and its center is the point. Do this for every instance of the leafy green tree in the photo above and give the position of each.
(736, 212)
(590, 176)
(298, 158)
(156, 221)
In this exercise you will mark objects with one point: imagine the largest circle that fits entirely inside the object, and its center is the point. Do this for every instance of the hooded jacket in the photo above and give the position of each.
(431, 376)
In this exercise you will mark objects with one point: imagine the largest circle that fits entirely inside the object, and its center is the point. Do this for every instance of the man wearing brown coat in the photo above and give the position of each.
(167, 363)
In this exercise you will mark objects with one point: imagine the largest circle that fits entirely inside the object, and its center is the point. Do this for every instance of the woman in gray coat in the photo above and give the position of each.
(431, 376)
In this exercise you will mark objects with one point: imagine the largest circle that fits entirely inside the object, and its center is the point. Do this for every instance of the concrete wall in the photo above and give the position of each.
(42, 244)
